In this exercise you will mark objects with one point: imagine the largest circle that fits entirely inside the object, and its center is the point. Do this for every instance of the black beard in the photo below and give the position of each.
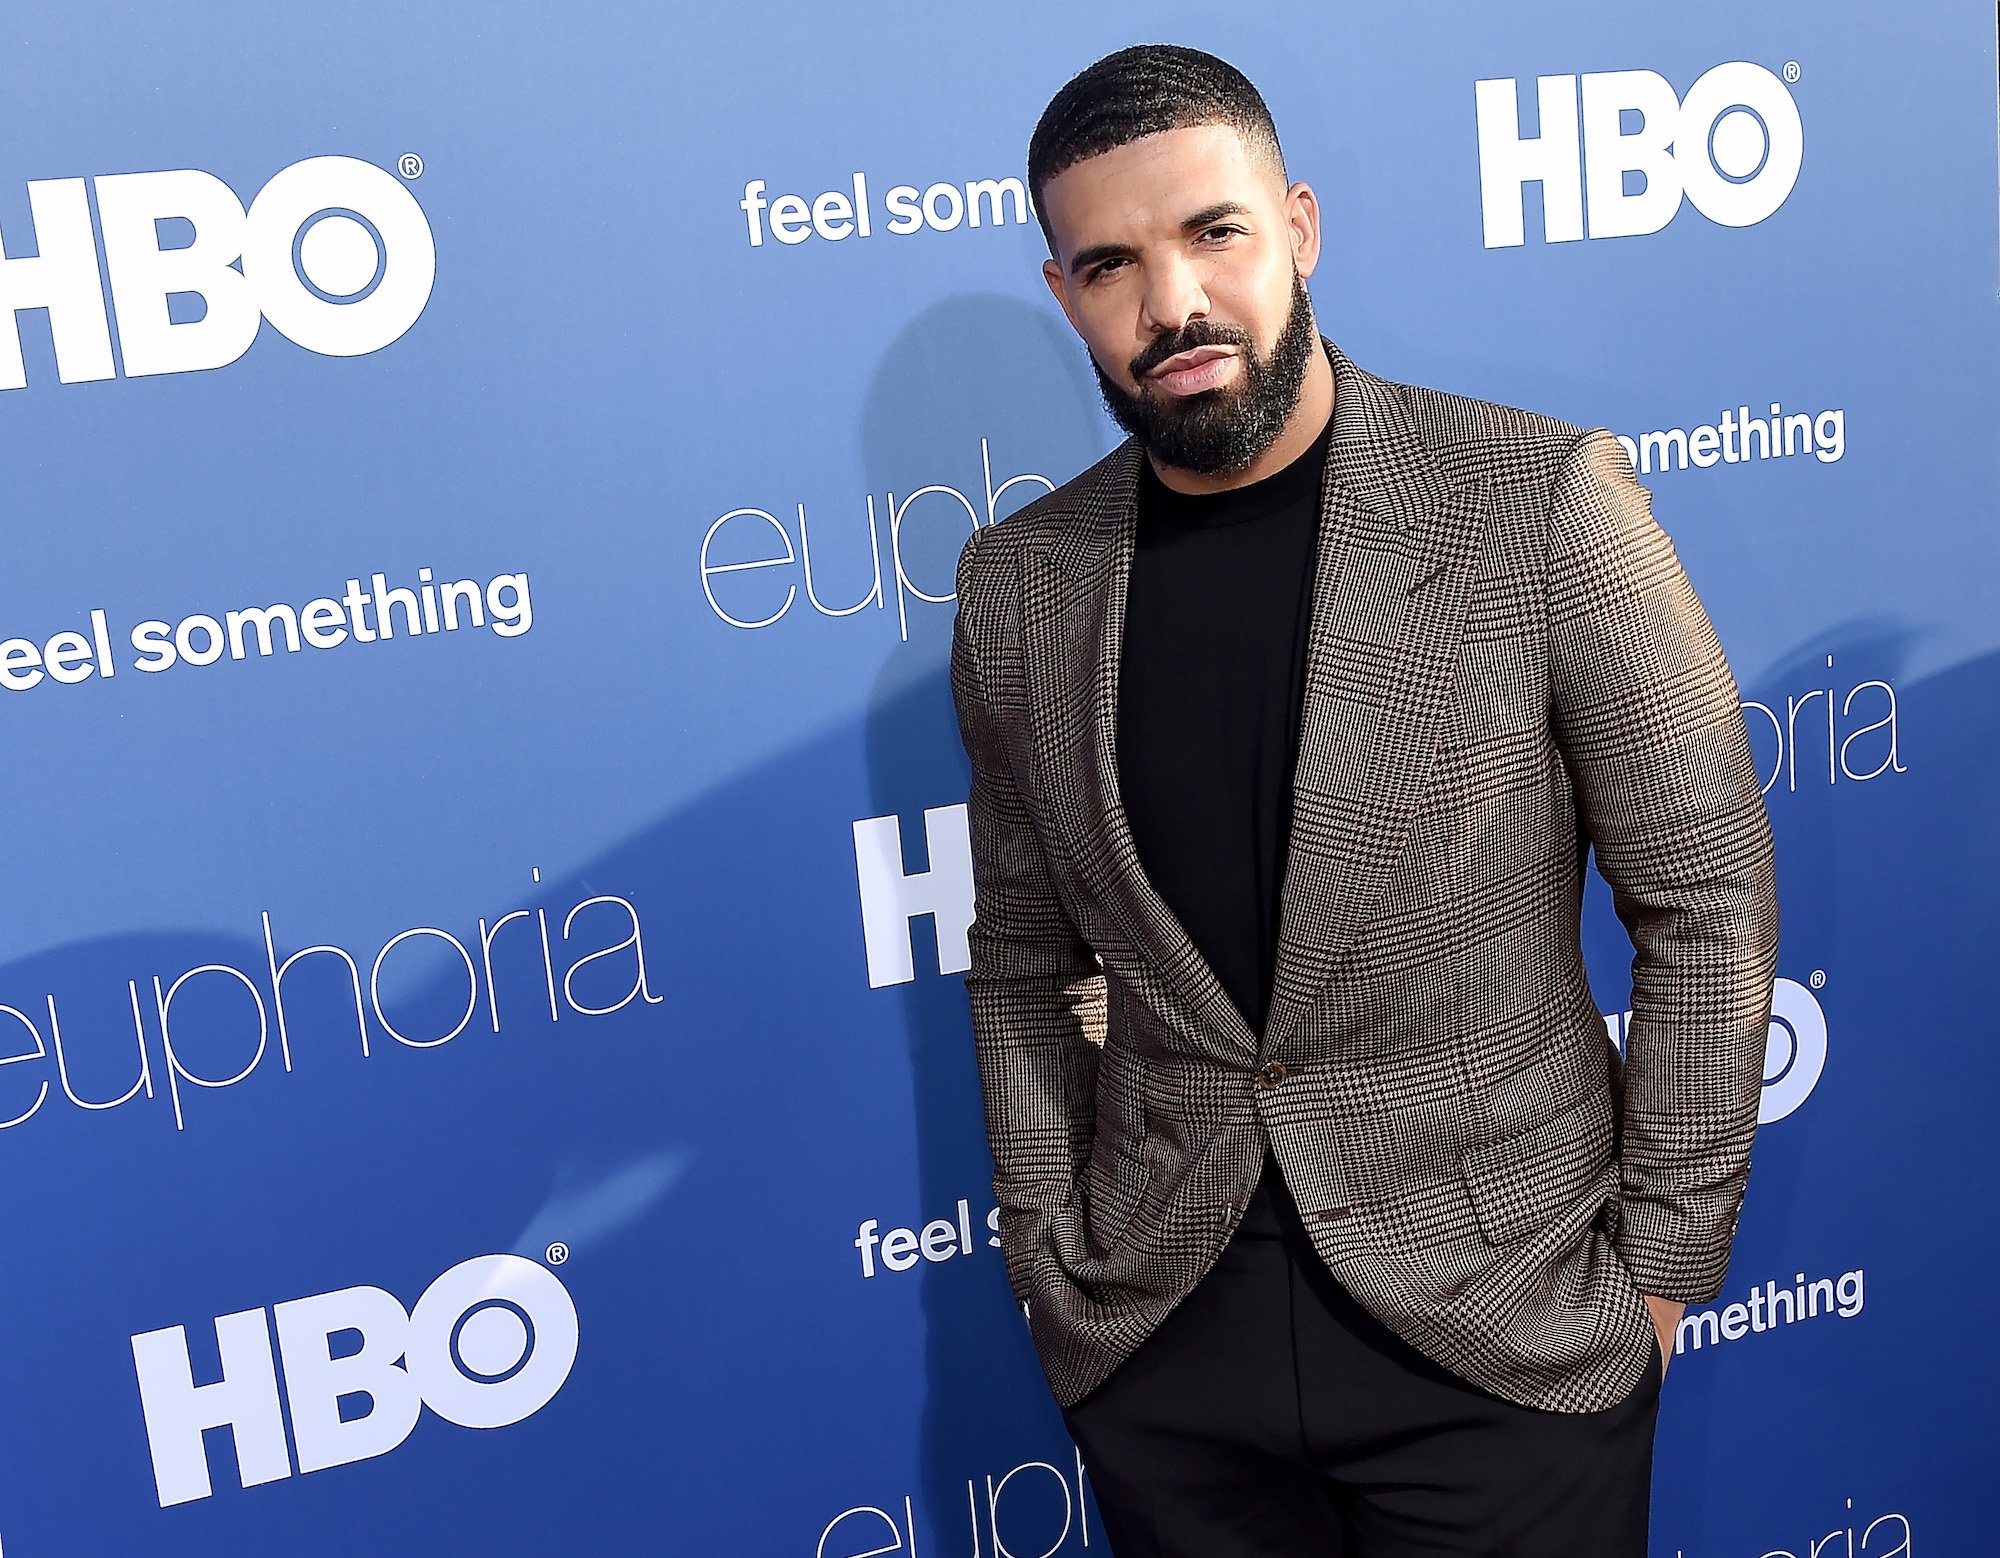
(1220, 429)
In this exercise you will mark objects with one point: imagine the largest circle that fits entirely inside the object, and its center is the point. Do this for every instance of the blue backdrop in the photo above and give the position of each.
(505, 1086)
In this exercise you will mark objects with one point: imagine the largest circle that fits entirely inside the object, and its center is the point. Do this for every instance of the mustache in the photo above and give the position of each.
(1196, 332)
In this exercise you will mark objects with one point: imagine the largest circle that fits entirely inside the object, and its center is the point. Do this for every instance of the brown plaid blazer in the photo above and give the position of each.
(1507, 667)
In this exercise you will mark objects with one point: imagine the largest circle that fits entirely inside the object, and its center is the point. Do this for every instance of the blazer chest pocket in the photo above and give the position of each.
(1522, 1183)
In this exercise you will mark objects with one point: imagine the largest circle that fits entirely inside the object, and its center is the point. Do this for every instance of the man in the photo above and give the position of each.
(1339, 1224)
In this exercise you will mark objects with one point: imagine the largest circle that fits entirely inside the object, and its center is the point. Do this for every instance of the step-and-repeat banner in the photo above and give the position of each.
(484, 1059)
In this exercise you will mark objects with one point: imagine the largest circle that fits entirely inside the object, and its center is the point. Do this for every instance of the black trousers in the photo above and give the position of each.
(1271, 1416)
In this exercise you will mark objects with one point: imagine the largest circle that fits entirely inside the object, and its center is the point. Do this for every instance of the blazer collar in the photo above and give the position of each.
(1374, 452)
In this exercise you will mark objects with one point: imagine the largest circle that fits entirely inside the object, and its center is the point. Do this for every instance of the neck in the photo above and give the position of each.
(1300, 429)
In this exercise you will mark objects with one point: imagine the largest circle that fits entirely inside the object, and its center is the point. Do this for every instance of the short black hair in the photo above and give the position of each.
(1140, 91)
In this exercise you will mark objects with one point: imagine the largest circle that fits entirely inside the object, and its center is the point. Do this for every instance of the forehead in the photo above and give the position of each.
(1151, 184)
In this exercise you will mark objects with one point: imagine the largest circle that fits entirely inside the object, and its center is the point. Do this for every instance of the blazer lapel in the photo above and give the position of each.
(1073, 620)
(1399, 547)
(1392, 574)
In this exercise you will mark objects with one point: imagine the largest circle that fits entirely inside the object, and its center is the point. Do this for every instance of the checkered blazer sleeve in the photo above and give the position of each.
(1037, 990)
(1648, 720)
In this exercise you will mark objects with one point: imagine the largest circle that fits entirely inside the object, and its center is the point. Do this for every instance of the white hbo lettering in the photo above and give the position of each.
(489, 1343)
(891, 898)
(335, 253)
(1795, 1053)
(1733, 146)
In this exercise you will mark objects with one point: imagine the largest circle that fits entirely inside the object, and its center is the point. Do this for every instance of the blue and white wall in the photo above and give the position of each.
(490, 1073)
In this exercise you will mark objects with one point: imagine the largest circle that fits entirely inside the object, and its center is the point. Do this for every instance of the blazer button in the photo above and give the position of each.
(1271, 1073)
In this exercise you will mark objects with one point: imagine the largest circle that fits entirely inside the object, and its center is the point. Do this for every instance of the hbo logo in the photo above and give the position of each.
(335, 253)
(489, 1343)
(1732, 146)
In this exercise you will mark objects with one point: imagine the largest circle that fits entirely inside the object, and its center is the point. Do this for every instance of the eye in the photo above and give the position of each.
(1225, 230)
(1103, 267)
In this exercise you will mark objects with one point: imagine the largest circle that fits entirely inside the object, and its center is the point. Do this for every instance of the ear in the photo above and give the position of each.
(1053, 275)
(1302, 221)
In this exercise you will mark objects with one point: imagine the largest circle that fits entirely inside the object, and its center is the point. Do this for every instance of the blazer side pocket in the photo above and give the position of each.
(1522, 1183)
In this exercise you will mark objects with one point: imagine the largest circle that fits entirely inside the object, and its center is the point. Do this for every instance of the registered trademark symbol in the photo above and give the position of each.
(411, 166)
(559, 1252)
(1818, 979)
(1791, 70)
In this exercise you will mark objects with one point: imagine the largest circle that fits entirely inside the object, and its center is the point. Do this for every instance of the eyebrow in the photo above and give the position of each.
(1083, 258)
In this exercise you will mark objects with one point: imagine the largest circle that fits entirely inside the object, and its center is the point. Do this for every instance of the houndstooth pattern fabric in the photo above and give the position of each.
(1507, 667)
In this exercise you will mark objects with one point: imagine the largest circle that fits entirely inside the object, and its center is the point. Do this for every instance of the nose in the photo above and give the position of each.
(1173, 295)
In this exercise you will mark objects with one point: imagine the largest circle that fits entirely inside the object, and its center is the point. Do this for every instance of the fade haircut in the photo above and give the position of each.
(1141, 91)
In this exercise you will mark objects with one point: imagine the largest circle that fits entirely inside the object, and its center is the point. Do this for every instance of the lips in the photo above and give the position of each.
(1190, 359)
(1191, 372)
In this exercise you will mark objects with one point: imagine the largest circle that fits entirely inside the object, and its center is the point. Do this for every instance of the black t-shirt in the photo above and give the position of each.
(1210, 680)
(1209, 686)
